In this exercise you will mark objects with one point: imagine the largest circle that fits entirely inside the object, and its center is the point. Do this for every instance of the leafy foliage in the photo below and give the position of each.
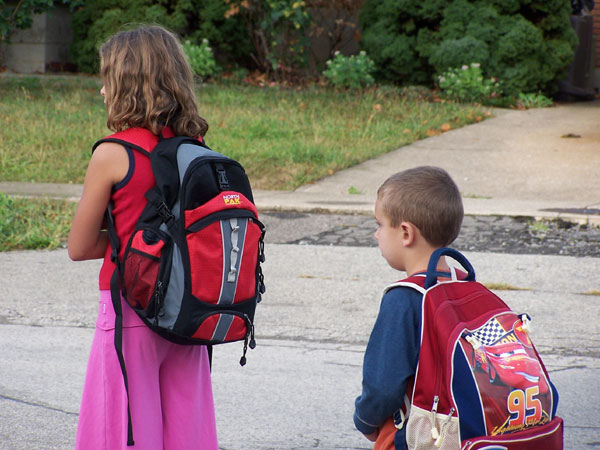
(201, 58)
(527, 44)
(350, 71)
(467, 84)
(278, 33)
(195, 20)
(527, 101)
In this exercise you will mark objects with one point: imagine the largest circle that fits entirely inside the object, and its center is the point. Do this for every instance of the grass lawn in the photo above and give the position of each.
(34, 223)
(283, 137)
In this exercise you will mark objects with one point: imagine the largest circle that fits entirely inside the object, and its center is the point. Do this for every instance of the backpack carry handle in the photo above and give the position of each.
(431, 277)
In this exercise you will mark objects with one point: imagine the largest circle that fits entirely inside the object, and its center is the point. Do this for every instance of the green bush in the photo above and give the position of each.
(228, 35)
(538, 100)
(468, 85)
(350, 71)
(278, 31)
(201, 58)
(94, 22)
(527, 44)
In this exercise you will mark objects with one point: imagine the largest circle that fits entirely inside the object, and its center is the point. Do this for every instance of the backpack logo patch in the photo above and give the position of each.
(232, 199)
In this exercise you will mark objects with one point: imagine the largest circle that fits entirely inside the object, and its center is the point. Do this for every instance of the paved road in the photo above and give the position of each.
(298, 388)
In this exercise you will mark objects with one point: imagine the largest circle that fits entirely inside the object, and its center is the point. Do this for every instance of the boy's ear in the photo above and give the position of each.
(408, 233)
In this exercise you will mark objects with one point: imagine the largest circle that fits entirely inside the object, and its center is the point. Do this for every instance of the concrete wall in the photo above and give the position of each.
(42, 47)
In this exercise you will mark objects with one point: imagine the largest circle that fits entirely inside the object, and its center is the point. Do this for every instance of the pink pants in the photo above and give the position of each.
(170, 392)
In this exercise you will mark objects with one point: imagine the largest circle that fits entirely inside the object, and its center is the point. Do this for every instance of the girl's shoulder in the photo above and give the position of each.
(110, 159)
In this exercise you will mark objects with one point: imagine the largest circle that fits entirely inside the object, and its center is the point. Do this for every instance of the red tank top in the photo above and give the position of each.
(128, 195)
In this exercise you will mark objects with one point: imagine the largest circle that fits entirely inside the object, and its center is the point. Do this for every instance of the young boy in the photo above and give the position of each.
(417, 211)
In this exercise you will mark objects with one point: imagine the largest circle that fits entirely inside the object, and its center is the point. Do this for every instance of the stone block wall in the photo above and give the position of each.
(42, 47)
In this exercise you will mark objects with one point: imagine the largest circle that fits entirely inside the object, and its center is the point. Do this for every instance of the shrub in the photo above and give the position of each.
(350, 71)
(201, 58)
(467, 84)
(277, 31)
(99, 19)
(527, 44)
(94, 22)
(228, 35)
(533, 100)
(392, 32)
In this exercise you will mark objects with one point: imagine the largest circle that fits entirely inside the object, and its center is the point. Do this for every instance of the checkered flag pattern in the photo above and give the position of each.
(490, 333)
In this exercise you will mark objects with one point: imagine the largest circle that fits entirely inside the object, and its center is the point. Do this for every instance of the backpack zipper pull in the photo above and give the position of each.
(443, 427)
(158, 299)
(252, 343)
(243, 358)
(250, 335)
(434, 432)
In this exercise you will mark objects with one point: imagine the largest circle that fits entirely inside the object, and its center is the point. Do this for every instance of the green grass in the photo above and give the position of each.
(47, 127)
(34, 223)
(284, 137)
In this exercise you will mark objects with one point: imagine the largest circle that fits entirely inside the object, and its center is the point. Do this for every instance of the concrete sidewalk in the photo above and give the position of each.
(538, 163)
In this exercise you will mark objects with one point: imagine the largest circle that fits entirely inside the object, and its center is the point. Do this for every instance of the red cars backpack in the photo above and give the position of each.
(192, 267)
(480, 383)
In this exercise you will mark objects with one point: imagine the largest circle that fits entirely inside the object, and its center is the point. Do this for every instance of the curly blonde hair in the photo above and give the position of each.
(148, 83)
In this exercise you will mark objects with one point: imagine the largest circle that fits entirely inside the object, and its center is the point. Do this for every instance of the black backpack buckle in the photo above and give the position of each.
(165, 213)
(222, 177)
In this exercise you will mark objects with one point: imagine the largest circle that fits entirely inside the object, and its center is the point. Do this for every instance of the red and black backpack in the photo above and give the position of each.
(191, 269)
(480, 382)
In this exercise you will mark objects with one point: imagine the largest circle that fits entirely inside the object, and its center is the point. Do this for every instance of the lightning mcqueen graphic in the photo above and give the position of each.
(510, 364)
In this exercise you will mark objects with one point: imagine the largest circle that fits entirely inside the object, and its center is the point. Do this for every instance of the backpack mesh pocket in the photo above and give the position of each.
(419, 430)
(142, 267)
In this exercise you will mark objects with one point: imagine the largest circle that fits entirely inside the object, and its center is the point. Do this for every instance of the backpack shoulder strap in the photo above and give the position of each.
(416, 282)
(139, 139)
(145, 141)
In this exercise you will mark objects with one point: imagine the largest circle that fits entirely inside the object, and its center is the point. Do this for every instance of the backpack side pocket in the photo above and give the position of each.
(144, 267)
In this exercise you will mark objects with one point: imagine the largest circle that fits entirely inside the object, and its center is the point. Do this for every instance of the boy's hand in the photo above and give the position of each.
(373, 436)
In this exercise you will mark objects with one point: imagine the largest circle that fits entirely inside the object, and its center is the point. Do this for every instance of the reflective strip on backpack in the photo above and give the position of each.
(234, 236)
(232, 275)
(233, 232)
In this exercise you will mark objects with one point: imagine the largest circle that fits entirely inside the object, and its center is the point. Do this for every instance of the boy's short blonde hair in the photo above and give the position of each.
(428, 198)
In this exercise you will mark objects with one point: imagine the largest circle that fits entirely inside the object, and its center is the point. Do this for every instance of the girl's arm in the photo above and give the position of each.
(109, 165)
